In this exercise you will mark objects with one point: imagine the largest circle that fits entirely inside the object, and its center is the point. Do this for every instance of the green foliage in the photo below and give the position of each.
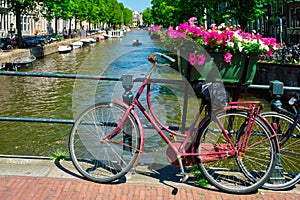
(93, 11)
(147, 16)
(127, 15)
(23, 6)
(172, 12)
(199, 179)
(59, 155)
(164, 12)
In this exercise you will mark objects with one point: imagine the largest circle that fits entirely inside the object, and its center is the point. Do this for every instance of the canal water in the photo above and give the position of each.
(61, 98)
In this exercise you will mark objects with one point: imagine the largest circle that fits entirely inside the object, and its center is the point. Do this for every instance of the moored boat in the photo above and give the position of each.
(25, 61)
(88, 41)
(77, 44)
(64, 49)
(101, 37)
(85, 41)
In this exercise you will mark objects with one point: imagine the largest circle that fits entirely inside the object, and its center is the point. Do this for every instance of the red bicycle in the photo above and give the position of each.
(234, 148)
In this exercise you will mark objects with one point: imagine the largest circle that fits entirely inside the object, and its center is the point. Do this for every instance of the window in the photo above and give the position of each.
(297, 17)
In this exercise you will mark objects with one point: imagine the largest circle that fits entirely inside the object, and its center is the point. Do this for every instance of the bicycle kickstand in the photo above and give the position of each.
(185, 176)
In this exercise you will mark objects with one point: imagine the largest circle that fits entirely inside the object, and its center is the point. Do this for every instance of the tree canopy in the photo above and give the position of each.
(93, 11)
(174, 12)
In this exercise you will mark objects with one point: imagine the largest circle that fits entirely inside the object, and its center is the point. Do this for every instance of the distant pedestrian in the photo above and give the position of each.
(83, 32)
(65, 33)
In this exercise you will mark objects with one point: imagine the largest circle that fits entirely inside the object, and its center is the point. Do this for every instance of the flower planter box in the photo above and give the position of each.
(216, 69)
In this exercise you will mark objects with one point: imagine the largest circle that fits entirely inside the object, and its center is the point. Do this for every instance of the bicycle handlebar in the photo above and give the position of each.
(165, 56)
(152, 58)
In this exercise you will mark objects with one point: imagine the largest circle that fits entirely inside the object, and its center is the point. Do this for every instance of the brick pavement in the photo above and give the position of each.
(40, 188)
(42, 179)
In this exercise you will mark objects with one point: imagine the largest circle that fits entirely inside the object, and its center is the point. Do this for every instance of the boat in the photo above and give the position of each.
(85, 41)
(88, 41)
(136, 43)
(115, 34)
(101, 37)
(25, 61)
(64, 49)
(77, 44)
(92, 40)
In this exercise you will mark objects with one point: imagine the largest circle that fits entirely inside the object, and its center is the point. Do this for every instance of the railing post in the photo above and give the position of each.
(127, 83)
(276, 88)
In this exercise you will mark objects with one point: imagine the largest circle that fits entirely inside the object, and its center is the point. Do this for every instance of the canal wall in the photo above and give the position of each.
(289, 74)
(38, 51)
(9, 56)
(41, 51)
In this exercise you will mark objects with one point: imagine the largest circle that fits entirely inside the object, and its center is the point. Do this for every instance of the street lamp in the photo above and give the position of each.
(11, 26)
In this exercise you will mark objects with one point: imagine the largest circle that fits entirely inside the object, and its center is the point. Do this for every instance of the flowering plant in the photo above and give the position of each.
(229, 40)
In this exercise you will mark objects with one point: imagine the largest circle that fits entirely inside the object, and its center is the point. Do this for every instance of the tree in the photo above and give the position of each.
(21, 7)
(168, 12)
(127, 15)
(58, 9)
(163, 12)
(147, 16)
(243, 11)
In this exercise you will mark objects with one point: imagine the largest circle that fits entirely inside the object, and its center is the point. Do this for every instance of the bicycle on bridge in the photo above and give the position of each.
(235, 147)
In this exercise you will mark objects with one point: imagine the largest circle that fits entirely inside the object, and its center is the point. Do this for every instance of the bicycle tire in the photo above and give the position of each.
(104, 160)
(288, 168)
(231, 174)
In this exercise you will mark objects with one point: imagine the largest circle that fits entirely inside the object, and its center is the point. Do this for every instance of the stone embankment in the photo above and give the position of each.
(38, 51)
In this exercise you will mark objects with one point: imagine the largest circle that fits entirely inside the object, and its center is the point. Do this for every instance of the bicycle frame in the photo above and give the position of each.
(253, 107)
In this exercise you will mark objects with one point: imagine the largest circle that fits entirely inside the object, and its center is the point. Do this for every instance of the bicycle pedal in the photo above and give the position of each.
(184, 178)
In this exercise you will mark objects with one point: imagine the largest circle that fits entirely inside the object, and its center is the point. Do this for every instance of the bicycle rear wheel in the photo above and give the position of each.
(104, 160)
(287, 170)
(232, 173)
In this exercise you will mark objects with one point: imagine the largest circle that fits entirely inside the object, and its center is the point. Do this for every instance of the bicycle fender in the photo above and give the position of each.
(269, 126)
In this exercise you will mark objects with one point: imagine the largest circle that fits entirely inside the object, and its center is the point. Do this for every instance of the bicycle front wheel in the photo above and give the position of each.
(232, 173)
(287, 170)
(96, 153)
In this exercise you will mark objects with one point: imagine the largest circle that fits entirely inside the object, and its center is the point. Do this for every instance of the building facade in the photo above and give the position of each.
(137, 19)
(34, 24)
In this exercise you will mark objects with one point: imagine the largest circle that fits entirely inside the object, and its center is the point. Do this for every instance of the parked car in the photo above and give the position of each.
(41, 39)
(6, 44)
(30, 41)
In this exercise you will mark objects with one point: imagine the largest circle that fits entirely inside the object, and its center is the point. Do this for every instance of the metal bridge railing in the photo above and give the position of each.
(126, 81)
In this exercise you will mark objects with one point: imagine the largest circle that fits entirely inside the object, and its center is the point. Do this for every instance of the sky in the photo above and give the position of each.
(136, 5)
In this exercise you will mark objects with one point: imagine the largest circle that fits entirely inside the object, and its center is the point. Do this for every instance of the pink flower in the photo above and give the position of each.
(222, 39)
(227, 57)
(175, 34)
(201, 59)
(196, 59)
(192, 21)
(154, 28)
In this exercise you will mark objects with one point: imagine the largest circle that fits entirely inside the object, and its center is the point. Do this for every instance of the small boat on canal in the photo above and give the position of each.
(64, 49)
(77, 44)
(25, 61)
(88, 41)
(136, 43)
